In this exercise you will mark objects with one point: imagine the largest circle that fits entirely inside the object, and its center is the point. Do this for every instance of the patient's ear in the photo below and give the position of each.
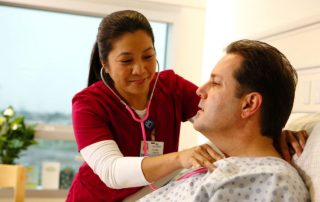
(250, 104)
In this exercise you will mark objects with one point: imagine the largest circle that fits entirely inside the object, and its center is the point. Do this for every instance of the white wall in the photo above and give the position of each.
(230, 20)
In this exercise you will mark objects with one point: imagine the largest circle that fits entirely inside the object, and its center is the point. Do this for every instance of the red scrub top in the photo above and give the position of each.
(98, 115)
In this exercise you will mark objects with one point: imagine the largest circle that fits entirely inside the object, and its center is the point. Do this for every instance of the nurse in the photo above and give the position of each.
(127, 121)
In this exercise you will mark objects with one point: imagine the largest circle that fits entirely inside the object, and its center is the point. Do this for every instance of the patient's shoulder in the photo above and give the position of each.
(265, 167)
(253, 178)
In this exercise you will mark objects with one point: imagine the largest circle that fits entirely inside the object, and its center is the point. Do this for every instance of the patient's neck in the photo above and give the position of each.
(245, 144)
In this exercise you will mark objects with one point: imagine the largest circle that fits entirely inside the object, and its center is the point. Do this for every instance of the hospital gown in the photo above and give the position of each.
(253, 179)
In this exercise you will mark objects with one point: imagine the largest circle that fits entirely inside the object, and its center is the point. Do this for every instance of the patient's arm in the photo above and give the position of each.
(292, 142)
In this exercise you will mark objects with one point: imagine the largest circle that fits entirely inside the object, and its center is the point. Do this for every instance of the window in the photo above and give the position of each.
(45, 58)
(44, 62)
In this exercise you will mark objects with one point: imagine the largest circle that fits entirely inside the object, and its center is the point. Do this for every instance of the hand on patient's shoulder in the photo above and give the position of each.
(292, 142)
(199, 156)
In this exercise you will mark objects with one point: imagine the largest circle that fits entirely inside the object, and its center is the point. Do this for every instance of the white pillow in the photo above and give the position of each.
(308, 164)
(305, 122)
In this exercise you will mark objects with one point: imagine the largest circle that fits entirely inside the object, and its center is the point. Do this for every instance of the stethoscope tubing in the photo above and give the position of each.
(135, 118)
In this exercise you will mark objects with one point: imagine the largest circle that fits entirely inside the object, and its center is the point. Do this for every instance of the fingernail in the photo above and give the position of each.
(299, 154)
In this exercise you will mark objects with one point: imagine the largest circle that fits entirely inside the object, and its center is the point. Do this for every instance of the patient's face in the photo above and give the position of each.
(219, 108)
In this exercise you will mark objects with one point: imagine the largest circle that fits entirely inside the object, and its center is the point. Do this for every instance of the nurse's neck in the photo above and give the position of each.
(138, 102)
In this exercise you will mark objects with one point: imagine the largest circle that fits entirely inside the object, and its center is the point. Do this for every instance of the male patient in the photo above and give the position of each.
(243, 108)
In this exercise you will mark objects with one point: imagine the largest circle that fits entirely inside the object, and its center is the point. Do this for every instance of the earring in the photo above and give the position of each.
(106, 70)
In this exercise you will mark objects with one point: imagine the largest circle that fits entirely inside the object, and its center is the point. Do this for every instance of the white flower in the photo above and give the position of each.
(8, 112)
(15, 126)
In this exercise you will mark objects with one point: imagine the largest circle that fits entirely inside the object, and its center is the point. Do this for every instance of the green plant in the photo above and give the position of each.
(15, 136)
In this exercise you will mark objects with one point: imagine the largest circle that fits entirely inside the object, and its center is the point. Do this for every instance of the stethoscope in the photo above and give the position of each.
(139, 120)
(143, 119)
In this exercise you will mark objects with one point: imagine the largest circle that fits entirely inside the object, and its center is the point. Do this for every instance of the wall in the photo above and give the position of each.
(301, 46)
(230, 20)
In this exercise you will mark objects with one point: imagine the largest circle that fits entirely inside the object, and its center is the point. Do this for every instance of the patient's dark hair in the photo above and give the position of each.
(111, 28)
(266, 70)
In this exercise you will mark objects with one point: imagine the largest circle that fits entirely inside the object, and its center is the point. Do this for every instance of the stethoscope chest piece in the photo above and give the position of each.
(149, 124)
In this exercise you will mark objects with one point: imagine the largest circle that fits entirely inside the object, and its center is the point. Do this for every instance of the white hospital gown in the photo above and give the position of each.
(263, 179)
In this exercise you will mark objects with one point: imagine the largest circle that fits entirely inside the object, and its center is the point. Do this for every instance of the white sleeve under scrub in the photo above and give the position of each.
(115, 170)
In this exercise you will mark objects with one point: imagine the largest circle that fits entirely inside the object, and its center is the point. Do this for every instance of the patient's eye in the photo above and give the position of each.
(214, 82)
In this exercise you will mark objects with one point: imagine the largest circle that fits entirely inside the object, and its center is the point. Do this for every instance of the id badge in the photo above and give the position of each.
(154, 148)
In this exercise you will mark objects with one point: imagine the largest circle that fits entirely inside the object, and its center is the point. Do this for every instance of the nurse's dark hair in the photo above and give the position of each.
(266, 70)
(111, 28)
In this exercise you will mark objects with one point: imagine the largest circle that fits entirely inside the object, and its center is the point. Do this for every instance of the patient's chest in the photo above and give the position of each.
(237, 179)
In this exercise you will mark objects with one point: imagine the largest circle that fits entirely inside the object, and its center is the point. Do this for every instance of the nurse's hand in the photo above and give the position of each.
(199, 156)
(292, 142)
